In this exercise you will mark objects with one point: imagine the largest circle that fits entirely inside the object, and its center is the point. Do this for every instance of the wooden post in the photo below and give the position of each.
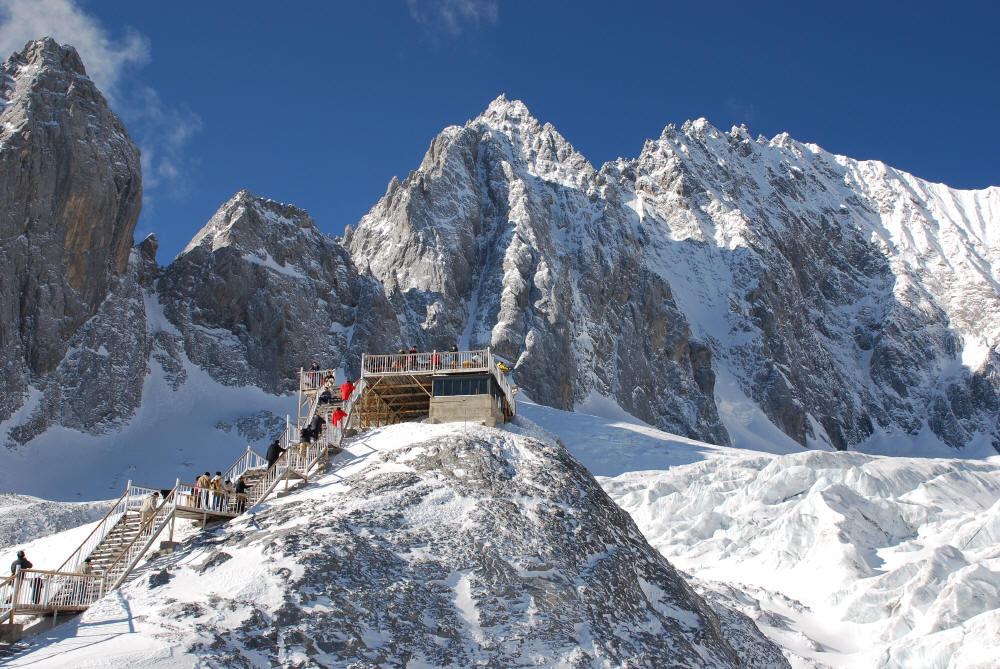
(17, 593)
(173, 518)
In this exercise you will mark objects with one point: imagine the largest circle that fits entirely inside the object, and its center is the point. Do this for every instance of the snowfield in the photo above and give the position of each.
(843, 559)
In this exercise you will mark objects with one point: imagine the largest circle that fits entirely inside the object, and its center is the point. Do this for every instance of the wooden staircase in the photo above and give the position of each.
(111, 547)
(120, 540)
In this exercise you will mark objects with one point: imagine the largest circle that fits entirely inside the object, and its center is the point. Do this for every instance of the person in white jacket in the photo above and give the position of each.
(148, 508)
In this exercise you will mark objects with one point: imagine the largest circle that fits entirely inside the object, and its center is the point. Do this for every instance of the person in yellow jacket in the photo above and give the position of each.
(204, 482)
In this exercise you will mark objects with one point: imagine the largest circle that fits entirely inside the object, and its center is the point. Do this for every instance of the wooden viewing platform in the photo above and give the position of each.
(403, 387)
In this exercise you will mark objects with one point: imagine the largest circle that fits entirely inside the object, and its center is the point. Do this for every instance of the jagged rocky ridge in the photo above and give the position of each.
(502, 239)
(442, 546)
(843, 298)
(70, 194)
(260, 291)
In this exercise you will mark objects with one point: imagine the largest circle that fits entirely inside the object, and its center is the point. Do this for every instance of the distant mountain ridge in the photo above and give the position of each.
(711, 276)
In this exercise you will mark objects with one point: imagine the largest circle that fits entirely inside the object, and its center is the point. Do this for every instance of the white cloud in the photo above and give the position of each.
(106, 59)
(453, 16)
(160, 130)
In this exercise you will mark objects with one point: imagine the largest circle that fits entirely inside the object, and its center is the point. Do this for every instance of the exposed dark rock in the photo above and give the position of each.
(70, 194)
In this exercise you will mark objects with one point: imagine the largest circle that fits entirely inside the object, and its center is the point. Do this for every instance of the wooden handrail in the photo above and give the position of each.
(55, 572)
(166, 500)
(96, 527)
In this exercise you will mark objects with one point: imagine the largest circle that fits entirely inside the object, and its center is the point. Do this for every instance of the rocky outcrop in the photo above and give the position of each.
(440, 547)
(70, 194)
(843, 299)
(260, 292)
(507, 237)
(97, 386)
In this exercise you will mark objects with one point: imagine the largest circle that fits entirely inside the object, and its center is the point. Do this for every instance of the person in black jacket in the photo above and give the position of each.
(274, 452)
(241, 495)
(316, 426)
(22, 563)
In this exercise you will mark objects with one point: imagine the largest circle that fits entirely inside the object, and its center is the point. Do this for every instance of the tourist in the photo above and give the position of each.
(241, 494)
(227, 494)
(148, 508)
(22, 563)
(274, 452)
(346, 388)
(338, 415)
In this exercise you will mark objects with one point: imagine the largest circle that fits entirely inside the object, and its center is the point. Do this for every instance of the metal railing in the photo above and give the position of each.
(425, 363)
(8, 590)
(144, 538)
(130, 501)
(437, 362)
(315, 379)
(206, 499)
(249, 460)
(43, 590)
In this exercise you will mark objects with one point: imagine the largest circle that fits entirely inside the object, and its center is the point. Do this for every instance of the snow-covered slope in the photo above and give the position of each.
(429, 546)
(844, 559)
(24, 518)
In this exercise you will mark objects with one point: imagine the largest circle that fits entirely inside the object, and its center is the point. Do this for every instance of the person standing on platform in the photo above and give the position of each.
(203, 483)
(22, 563)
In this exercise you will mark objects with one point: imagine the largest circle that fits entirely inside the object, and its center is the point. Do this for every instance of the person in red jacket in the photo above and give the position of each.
(346, 388)
(337, 416)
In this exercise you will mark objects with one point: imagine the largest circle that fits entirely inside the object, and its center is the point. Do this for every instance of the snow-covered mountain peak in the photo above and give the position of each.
(250, 223)
(503, 108)
(48, 53)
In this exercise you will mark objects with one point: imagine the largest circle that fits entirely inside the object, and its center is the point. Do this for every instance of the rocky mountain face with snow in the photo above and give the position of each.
(710, 276)
(434, 546)
(70, 194)
(843, 298)
(260, 291)
(507, 237)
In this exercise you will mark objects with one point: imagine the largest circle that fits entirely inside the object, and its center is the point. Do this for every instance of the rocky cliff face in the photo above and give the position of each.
(837, 292)
(260, 292)
(507, 237)
(842, 300)
(70, 194)
(837, 295)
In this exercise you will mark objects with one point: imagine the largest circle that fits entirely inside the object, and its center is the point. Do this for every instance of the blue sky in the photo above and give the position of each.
(320, 104)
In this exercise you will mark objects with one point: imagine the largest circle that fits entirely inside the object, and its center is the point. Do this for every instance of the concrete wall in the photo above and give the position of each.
(461, 408)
